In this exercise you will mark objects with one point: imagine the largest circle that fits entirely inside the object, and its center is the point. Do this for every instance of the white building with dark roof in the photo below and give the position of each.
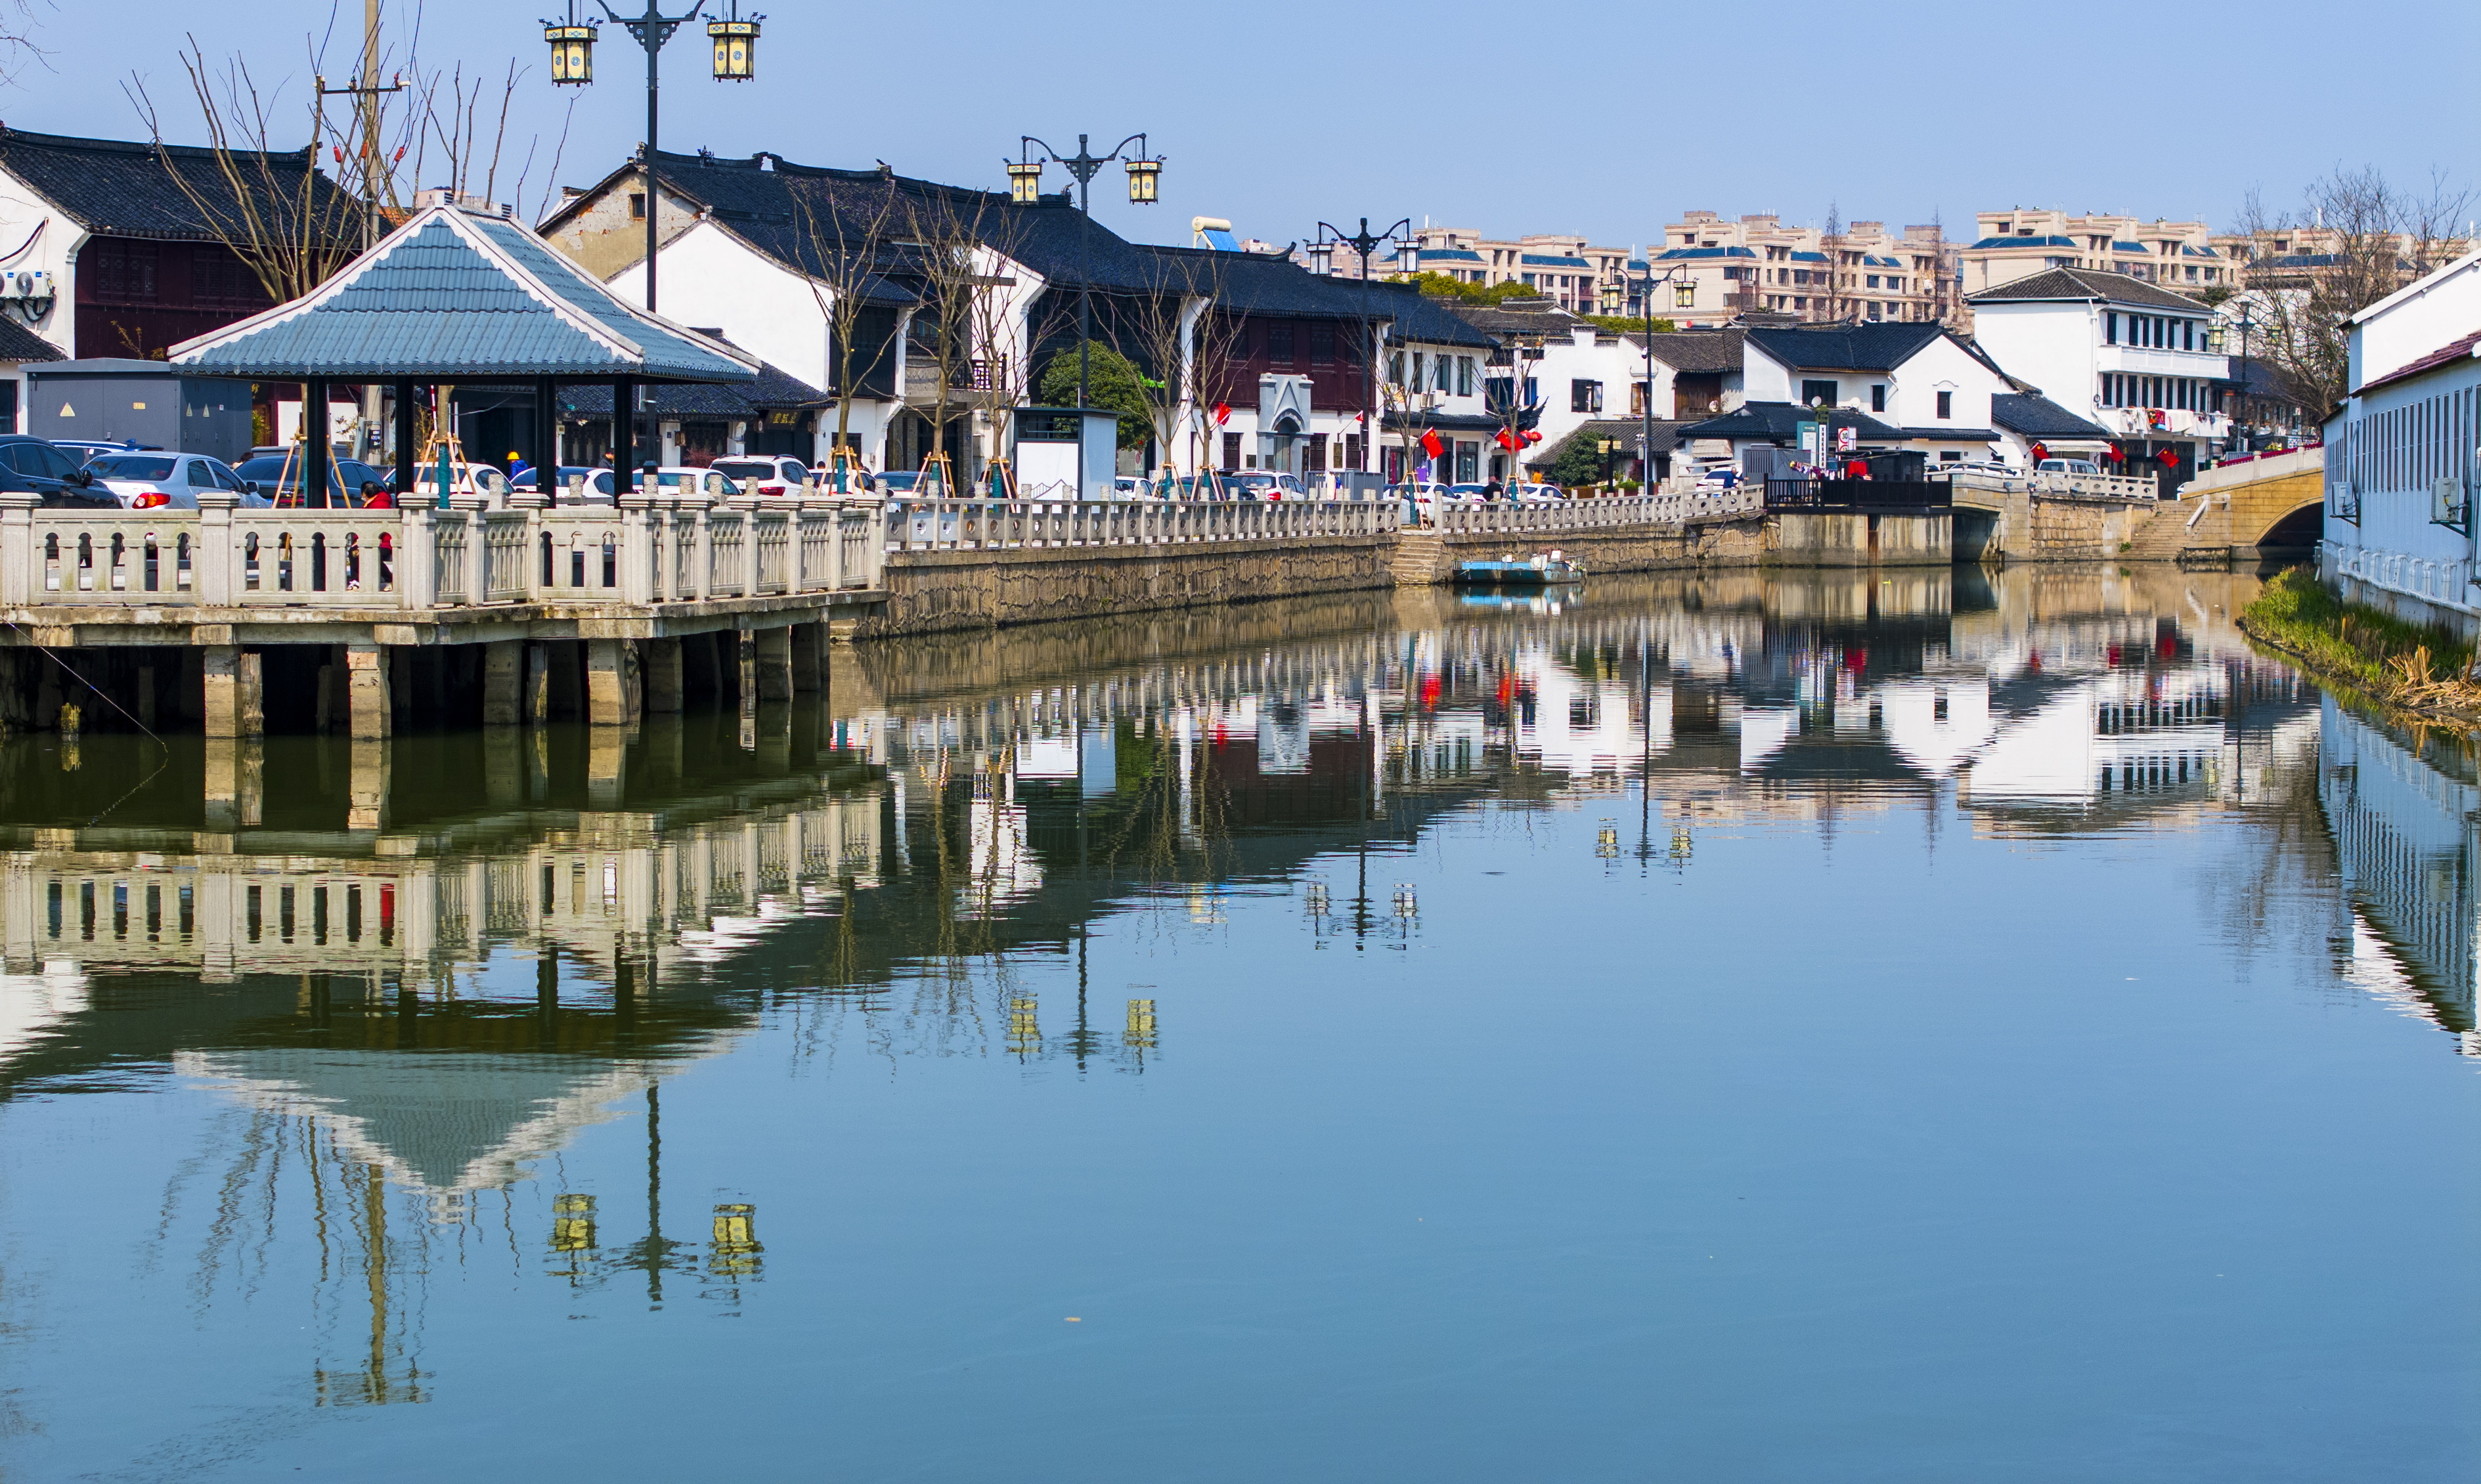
(2402, 467)
(2137, 359)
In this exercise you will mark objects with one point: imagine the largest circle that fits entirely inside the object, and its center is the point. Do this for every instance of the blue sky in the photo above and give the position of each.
(1280, 114)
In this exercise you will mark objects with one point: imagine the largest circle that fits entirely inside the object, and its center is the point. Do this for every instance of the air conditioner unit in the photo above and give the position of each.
(34, 283)
(13, 285)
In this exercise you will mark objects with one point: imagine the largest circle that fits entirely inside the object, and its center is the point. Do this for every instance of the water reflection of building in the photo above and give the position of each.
(2404, 827)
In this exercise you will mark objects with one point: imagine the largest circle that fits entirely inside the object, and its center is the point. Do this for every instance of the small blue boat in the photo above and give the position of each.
(1552, 570)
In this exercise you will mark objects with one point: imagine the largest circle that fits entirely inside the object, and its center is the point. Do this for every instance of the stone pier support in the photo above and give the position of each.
(504, 668)
(538, 686)
(611, 683)
(664, 676)
(808, 641)
(366, 693)
(607, 749)
(230, 691)
(774, 663)
(367, 789)
(503, 768)
(400, 676)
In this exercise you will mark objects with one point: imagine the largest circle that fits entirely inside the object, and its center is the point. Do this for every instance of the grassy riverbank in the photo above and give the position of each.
(2399, 665)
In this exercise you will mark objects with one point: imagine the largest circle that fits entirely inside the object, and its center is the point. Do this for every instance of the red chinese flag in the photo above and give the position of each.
(1431, 445)
(2170, 458)
(1505, 441)
(1222, 413)
(2041, 451)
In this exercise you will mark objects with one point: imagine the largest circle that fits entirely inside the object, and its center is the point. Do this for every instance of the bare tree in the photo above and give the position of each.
(1180, 344)
(845, 227)
(947, 230)
(273, 208)
(2356, 239)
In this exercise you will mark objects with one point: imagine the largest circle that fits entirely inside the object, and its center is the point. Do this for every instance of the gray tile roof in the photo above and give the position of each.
(451, 296)
(19, 345)
(124, 188)
(2084, 286)
(2039, 417)
(1869, 347)
(1666, 438)
(1780, 421)
(1700, 350)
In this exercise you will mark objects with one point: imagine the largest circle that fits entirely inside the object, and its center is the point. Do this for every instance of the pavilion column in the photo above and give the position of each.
(547, 437)
(404, 435)
(624, 434)
(314, 445)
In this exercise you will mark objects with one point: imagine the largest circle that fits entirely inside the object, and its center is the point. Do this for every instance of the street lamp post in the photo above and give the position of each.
(1684, 296)
(1408, 259)
(572, 65)
(1024, 188)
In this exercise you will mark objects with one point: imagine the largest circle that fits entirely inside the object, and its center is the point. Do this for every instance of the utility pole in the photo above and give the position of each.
(366, 92)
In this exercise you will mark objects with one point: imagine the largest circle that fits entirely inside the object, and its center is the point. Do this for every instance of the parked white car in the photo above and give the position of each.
(156, 481)
(679, 481)
(1421, 501)
(767, 474)
(2069, 466)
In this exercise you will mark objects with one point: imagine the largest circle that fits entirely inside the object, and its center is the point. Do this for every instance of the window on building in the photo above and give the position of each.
(1396, 368)
(1322, 345)
(121, 273)
(1279, 343)
(1878, 398)
(1946, 406)
(638, 206)
(1876, 310)
(1468, 463)
(1812, 392)
(1231, 451)
(1313, 459)
(2110, 330)
(1442, 372)
(1464, 375)
(1529, 280)
(1584, 396)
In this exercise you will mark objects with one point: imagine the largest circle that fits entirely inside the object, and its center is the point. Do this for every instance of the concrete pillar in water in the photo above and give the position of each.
(503, 678)
(251, 672)
(367, 788)
(568, 679)
(808, 640)
(662, 658)
(366, 692)
(606, 748)
(219, 692)
(774, 651)
(502, 766)
(611, 683)
(224, 783)
(538, 687)
(249, 782)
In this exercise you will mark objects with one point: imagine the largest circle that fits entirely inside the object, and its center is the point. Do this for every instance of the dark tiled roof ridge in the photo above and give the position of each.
(2084, 283)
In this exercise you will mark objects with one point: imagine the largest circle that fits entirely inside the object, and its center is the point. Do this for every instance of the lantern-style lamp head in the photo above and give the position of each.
(2216, 337)
(736, 46)
(1323, 258)
(1145, 179)
(572, 51)
(1025, 181)
(1408, 258)
(1614, 298)
(1684, 294)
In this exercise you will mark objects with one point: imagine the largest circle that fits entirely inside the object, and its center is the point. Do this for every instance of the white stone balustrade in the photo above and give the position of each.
(424, 558)
(1000, 525)
(1666, 508)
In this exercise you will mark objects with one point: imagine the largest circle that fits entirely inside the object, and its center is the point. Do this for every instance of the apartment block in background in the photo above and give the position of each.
(2182, 256)
(1755, 265)
(1568, 270)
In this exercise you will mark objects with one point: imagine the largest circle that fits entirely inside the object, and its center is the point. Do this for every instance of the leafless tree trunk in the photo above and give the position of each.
(1182, 348)
(845, 227)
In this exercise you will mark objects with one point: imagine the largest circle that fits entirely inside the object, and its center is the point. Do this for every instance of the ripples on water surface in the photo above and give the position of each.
(1785, 1028)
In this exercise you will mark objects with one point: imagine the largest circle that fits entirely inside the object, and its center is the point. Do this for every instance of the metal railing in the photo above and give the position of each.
(1858, 494)
(1004, 525)
(423, 558)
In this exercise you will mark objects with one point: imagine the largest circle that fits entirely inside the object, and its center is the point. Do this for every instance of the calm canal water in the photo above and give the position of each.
(1792, 1028)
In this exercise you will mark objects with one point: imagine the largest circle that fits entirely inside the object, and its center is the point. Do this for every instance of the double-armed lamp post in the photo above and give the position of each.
(1614, 297)
(1024, 189)
(735, 38)
(1363, 243)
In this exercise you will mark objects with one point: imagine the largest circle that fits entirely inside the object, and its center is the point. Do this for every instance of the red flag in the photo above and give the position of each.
(2170, 458)
(1222, 413)
(2041, 451)
(1431, 445)
(1505, 441)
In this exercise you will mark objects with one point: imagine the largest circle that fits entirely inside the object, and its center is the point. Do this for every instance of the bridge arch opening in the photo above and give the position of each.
(2301, 530)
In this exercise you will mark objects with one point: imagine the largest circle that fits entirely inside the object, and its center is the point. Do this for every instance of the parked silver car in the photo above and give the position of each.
(155, 482)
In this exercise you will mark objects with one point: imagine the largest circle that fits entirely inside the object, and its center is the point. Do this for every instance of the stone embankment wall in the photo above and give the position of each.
(932, 592)
(1835, 539)
(2071, 529)
(1431, 557)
